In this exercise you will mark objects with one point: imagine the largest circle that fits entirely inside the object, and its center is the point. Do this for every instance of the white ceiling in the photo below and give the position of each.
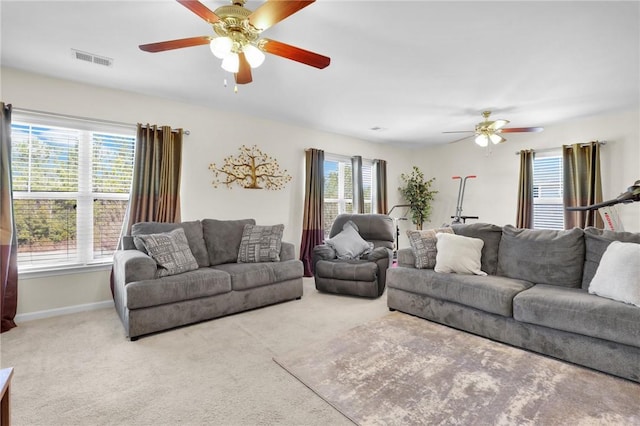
(412, 68)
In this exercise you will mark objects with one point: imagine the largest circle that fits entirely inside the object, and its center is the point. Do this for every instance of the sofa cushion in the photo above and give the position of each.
(202, 282)
(193, 231)
(170, 250)
(355, 270)
(423, 244)
(596, 242)
(458, 254)
(491, 235)
(489, 293)
(260, 244)
(375, 228)
(542, 256)
(222, 239)
(575, 310)
(348, 244)
(250, 275)
(618, 275)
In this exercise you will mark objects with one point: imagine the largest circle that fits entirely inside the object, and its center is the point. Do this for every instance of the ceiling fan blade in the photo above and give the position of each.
(498, 124)
(201, 10)
(460, 131)
(295, 53)
(274, 11)
(175, 44)
(243, 76)
(521, 130)
(461, 139)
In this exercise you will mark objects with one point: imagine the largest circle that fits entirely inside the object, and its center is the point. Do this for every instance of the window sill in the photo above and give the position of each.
(42, 272)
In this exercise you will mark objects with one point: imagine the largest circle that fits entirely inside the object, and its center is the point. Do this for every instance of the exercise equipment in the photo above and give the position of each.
(459, 218)
(607, 210)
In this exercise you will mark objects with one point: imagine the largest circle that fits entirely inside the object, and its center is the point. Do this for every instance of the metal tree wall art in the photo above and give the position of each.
(251, 169)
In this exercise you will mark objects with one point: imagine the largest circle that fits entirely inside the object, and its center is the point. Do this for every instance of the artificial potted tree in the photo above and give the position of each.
(417, 192)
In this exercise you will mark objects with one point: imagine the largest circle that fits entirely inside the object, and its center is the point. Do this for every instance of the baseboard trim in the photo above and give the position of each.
(30, 316)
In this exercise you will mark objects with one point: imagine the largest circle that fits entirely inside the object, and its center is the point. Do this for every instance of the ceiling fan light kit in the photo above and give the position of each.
(238, 41)
(489, 131)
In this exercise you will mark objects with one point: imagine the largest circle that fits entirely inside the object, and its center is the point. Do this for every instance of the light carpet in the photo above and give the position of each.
(400, 369)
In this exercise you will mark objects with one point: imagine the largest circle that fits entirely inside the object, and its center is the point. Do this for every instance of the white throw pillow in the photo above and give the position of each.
(348, 244)
(459, 254)
(618, 274)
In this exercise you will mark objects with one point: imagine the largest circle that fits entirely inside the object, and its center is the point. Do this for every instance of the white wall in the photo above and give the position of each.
(216, 134)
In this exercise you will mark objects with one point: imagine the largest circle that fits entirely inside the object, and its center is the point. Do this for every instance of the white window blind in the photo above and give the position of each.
(548, 207)
(338, 187)
(70, 190)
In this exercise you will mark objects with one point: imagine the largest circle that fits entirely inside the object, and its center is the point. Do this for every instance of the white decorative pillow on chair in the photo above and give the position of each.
(618, 274)
(459, 254)
(348, 244)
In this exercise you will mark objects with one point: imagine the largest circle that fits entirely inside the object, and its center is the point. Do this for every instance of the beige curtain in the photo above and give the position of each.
(8, 234)
(381, 201)
(313, 217)
(155, 191)
(582, 185)
(524, 216)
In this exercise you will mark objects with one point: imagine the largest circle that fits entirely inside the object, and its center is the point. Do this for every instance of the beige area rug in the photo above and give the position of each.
(405, 370)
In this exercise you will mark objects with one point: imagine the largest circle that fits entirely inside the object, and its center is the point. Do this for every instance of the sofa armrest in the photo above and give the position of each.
(287, 251)
(379, 253)
(133, 265)
(406, 258)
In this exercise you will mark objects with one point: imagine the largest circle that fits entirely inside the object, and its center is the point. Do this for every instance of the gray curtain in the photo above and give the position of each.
(155, 187)
(358, 190)
(524, 217)
(313, 216)
(381, 202)
(8, 235)
(582, 184)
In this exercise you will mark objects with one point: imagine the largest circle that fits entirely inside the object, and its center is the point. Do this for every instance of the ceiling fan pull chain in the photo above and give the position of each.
(225, 82)
(235, 89)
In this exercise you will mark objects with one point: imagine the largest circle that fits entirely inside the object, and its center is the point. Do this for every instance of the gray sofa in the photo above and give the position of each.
(534, 296)
(219, 286)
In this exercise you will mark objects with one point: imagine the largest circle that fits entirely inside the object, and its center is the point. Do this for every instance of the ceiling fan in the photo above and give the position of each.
(238, 42)
(489, 131)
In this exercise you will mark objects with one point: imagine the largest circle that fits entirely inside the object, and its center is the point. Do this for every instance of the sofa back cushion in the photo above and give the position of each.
(491, 235)
(376, 228)
(222, 238)
(596, 243)
(542, 256)
(192, 230)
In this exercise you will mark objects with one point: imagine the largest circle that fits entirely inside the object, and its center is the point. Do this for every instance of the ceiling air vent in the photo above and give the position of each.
(90, 57)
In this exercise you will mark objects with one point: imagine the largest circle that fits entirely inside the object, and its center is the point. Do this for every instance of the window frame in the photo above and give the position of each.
(552, 201)
(344, 199)
(87, 259)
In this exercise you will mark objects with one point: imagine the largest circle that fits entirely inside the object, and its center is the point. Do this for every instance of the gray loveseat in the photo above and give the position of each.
(219, 286)
(534, 296)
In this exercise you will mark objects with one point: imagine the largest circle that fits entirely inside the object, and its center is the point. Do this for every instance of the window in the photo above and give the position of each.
(338, 188)
(548, 207)
(71, 189)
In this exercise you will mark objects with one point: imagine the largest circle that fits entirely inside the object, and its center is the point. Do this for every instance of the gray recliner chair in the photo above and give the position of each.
(364, 276)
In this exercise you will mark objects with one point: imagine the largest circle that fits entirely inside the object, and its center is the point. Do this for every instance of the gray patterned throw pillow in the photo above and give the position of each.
(423, 244)
(170, 250)
(260, 244)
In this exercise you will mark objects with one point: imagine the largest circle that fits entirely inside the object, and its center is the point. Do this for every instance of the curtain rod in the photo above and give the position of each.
(555, 149)
(78, 118)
